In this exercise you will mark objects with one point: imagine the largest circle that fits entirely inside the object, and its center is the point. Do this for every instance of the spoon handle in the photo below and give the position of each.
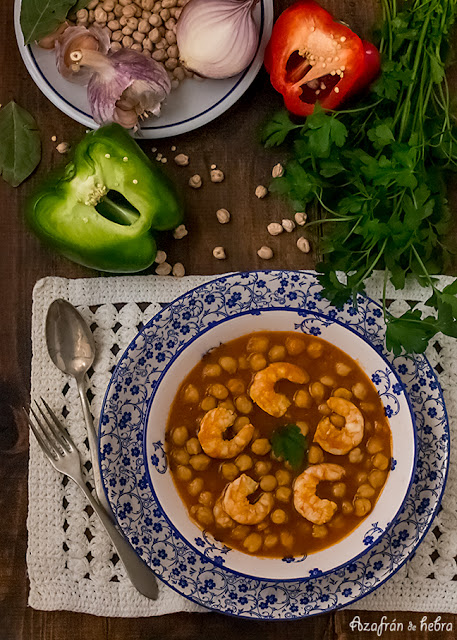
(93, 444)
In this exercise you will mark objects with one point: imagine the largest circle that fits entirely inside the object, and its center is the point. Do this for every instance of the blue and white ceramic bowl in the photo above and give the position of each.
(208, 325)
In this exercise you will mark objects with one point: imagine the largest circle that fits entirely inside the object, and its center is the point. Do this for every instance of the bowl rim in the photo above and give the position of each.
(164, 373)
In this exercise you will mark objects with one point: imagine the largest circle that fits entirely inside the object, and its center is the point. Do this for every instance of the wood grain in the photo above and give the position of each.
(233, 143)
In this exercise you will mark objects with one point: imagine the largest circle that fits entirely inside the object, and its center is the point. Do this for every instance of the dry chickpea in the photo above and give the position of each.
(278, 516)
(337, 420)
(204, 515)
(154, 35)
(380, 461)
(258, 344)
(183, 473)
(136, 46)
(243, 362)
(277, 353)
(374, 445)
(240, 532)
(360, 391)
(324, 409)
(347, 508)
(257, 361)
(341, 392)
(253, 542)
(193, 446)
(355, 456)
(270, 541)
(319, 531)
(199, 462)
(287, 539)
(302, 399)
(116, 38)
(243, 404)
(191, 394)
(361, 507)
(283, 494)
(262, 467)
(342, 369)
(208, 403)
(236, 386)
(195, 487)
(212, 371)
(228, 364)
(244, 462)
(261, 446)
(219, 391)
(229, 471)
(179, 436)
(283, 477)
(377, 478)
(294, 346)
(315, 455)
(239, 423)
(206, 498)
(365, 491)
(317, 391)
(180, 456)
(315, 350)
(339, 489)
(303, 426)
(268, 483)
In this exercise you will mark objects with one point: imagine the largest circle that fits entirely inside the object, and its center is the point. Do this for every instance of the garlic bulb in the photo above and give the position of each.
(217, 38)
(73, 39)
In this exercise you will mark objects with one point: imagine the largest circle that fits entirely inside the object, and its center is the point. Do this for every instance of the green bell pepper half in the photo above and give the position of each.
(102, 210)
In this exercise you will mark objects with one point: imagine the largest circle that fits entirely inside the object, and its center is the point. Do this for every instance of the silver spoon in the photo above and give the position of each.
(72, 349)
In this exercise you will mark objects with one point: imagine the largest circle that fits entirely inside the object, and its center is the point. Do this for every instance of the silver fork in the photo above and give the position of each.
(61, 451)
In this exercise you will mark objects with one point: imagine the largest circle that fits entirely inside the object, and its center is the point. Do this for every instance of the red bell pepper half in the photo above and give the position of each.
(312, 58)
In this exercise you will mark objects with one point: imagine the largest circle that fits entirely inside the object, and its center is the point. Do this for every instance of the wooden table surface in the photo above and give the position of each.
(231, 142)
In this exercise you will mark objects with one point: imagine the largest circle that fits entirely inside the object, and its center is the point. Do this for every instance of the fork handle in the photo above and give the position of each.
(141, 576)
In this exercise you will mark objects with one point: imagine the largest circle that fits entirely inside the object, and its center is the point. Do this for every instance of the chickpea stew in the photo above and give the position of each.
(219, 444)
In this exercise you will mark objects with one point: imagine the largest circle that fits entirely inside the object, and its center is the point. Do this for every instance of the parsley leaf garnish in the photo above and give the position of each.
(289, 443)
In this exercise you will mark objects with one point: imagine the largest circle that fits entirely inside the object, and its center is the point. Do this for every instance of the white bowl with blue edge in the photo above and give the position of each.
(214, 327)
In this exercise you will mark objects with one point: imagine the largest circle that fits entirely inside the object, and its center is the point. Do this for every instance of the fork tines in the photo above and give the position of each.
(44, 426)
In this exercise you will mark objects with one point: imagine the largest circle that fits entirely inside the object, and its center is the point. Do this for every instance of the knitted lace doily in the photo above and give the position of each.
(70, 560)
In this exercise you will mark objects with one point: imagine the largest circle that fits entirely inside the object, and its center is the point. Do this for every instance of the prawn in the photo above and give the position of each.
(340, 441)
(212, 427)
(306, 502)
(236, 504)
(262, 389)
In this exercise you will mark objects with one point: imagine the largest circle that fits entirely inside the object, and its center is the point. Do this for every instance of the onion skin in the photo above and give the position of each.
(217, 38)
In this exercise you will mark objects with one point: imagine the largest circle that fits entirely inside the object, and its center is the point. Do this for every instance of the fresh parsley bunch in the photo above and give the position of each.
(378, 172)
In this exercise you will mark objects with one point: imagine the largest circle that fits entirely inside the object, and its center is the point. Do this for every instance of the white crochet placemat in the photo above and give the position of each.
(70, 560)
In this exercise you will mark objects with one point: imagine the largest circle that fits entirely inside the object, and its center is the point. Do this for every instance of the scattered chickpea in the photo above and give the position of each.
(301, 218)
(217, 175)
(219, 253)
(303, 245)
(288, 225)
(261, 191)
(180, 232)
(266, 253)
(195, 181)
(223, 216)
(164, 269)
(63, 147)
(277, 171)
(182, 160)
(178, 270)
(274, 228)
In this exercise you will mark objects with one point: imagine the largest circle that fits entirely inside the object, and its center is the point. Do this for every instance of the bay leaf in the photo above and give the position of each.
(20, 144)
(40, 18)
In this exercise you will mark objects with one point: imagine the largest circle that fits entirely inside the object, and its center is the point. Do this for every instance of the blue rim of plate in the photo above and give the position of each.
(308, 313)
(158, 127)
(212, 586)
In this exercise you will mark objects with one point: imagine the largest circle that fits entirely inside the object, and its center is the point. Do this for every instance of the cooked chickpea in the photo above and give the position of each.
(195, 487)
(302, 399)
(337, 522)
(257, 361)
(367, 407)
(236, 386)
(204, 515)
(361, 507)
(228, 364)
(365, 491)
(341, 392)
(287, 539)
(377, 478)
(355, 456)
(347, 508)
(283, 477)
(337, 420)
(206, 498)
(317, 391)
(229, 471)
(212, 371)
(191, 394)
(253, 542)
(342, 369)
(257, 344)
(226, 404)
(319, 531)
(360, 391)
(375, 445)
(315, 349)
(240, 532)
(208, 403)
(328, 381)
(339, 489)
(243, 404)
(218, 390)
(261, 446)
(361, 477)
(243, 362)
(239, 423)
(368, 426)
(283, 494)
(303, 426)
(268, 483)
(180, 456)
(244, 462)
(324, 409)
(183, 473)
(277, 353)
(380, 461)
(315, 455)
(200, 462)
(262, 467)
(294, 346)
(270, 541)
(193, 446)
(179, 436)
(278, 516)
(262, 526)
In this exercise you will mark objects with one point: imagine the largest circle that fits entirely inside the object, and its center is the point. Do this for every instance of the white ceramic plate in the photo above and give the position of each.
(192, 105)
